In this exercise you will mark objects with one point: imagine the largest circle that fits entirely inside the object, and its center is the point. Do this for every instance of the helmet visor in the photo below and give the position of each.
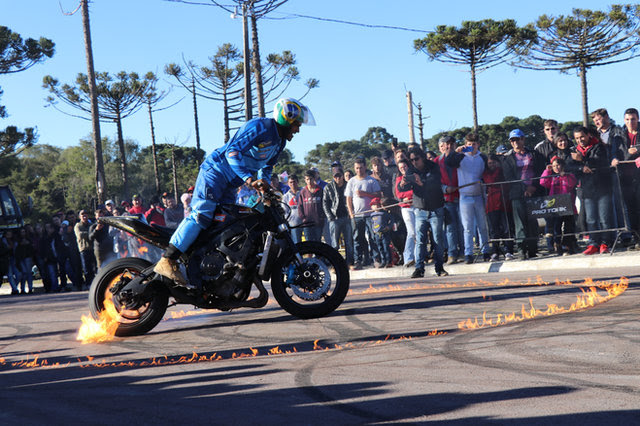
(307, 117)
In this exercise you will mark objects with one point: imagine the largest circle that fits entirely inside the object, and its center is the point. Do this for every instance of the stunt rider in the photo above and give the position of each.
(254, 149)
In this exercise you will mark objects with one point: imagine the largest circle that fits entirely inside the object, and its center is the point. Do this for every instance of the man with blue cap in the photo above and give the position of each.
(523, 164)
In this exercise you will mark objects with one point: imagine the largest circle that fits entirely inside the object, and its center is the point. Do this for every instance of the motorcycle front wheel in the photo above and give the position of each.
(131, 322)
(313, 288)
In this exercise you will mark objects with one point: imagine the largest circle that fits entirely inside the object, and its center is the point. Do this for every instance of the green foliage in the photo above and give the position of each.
(372, 144)
(13, 141)
(62, 179)
(17, 55)
(478, 44)
(585, 38)
(119, 96)
(492, 135)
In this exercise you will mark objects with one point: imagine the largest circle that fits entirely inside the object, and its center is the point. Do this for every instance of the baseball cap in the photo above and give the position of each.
(516, 133)
(65, 223)
(501, 149)
(191, 188)
(336, 171)
(447, 139)
(109, 202)
(135, 196)
(375, 200)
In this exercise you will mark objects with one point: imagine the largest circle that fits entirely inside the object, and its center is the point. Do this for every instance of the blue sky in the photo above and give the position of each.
(363, 72)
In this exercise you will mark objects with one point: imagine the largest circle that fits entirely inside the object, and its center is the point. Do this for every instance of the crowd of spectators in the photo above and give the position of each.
(68, 250)
(406, 207)
(409, 207)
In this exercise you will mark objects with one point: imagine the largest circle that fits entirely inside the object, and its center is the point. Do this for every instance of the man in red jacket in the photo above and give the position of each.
(137, 208)
(310, 207)
(453, 224)
(155, 214)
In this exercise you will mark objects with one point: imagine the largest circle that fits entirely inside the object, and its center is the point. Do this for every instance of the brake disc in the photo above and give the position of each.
(321, 280)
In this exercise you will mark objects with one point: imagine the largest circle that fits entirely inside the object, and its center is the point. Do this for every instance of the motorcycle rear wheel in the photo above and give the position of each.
(322, 281)
(131, 322)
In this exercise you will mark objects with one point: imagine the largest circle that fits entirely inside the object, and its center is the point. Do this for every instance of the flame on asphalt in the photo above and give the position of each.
(104, 328)
(589, 298)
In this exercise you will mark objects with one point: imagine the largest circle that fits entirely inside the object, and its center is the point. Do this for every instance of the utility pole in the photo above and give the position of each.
(153, 150)
(248, 109)
(101, 186)
(420, 126)
(412, 136)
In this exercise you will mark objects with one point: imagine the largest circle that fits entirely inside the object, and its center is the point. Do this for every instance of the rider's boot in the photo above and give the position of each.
(169, 267)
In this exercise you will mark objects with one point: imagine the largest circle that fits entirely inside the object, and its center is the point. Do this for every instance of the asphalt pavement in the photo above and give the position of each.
(394, 352)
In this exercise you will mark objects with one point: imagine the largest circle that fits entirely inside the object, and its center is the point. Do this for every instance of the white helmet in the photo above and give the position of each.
(288, 110)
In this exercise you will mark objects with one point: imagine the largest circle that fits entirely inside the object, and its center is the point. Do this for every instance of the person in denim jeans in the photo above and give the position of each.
(428, 202)
(591, 163)
(290, 198)
(453, 226)
(408, 213)
(471, 163)
(359, 192)
(334, 204)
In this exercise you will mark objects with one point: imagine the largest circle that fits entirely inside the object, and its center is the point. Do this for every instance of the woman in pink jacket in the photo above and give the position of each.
(557, 181)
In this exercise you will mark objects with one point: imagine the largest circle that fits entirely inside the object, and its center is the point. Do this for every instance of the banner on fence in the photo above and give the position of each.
(550, 206)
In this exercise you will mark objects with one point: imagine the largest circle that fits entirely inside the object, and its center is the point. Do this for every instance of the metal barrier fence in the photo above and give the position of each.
(619, 213)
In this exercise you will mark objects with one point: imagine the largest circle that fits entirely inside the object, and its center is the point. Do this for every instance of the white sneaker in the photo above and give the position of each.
(494, 257)
(508, 256)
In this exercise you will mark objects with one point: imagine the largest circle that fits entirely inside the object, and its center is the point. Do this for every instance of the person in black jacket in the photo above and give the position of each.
(591, 162)
(102, 241)
(547, 147)
(523, 165)
(624, 147)
(334, 204)
(429, 203)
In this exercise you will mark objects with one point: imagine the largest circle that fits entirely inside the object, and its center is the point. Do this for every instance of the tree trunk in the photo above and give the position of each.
(474, 95)
(123, 159)
(153, 151)
(257, 66)
(195, 113)
(101, 186)
(225, 109)
(248, 109)
(583, 84)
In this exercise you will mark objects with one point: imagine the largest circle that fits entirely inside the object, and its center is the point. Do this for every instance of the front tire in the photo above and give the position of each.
(131, 322)
(316, 287)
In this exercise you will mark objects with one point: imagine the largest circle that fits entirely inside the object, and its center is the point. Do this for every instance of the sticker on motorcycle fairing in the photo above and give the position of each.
(219, 217)
(232, 154)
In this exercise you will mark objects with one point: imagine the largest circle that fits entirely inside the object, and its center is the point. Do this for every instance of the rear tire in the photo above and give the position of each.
(325, 289)
(132, 322)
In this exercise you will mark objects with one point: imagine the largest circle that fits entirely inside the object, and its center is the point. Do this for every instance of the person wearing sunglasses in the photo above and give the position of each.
(428, 201)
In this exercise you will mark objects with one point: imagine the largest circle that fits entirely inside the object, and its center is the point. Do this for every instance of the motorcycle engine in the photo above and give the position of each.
(211, 266)
(218, 277)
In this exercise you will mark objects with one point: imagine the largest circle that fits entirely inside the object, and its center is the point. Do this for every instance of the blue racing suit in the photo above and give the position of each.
(254, 148)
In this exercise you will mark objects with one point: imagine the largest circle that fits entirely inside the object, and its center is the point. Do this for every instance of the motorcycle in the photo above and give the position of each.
(242, 248)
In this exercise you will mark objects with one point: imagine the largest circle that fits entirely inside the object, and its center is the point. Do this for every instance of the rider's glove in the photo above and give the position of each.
(260, 185)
